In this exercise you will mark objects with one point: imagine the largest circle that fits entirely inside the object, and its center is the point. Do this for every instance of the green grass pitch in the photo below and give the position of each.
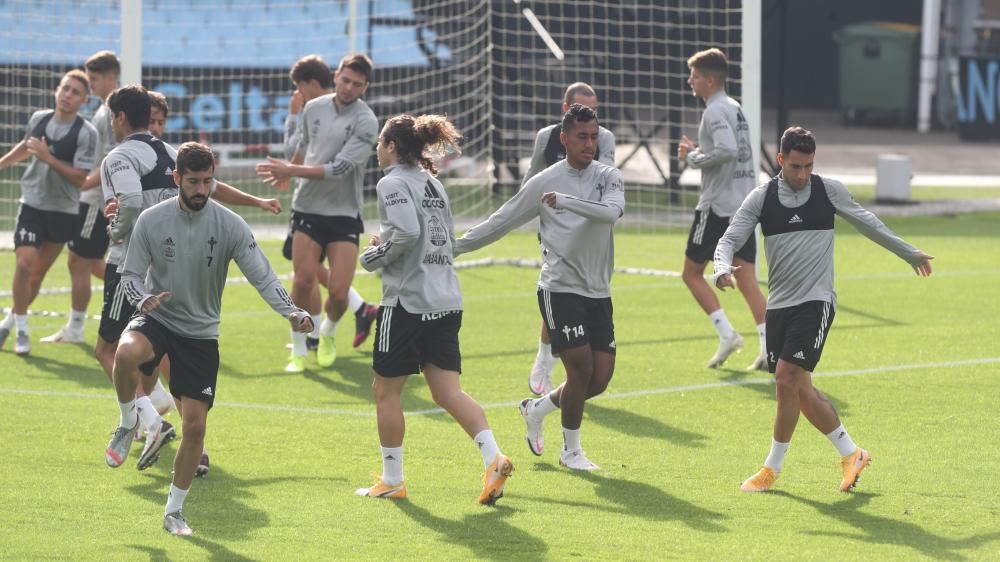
(913, 366)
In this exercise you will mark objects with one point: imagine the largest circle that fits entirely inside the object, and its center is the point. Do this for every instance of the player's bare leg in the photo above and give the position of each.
(447, 393)
(194, 414)
(387, 392)
(305, 265)
(343, 257)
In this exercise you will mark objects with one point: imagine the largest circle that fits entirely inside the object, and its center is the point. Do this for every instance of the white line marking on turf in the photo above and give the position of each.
(608, 396)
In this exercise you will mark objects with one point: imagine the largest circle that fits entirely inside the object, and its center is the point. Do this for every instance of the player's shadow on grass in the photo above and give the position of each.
(763, 384)
(353, 377)
(879, 321)
(215, 551)
(636, 425)
(485, 533)
(636, 499)
(217, 505)
(153, 554)
(89, 375)
(893, 532)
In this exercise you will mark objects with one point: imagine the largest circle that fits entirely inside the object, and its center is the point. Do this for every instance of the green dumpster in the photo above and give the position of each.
(878, 69)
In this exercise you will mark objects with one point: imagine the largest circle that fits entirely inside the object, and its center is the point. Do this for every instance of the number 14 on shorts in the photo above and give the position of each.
(577, 331)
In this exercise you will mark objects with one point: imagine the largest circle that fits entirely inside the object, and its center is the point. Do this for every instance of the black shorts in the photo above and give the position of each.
(406, 341)
(35, 226)
(91, 241)
(286, 249)
(116, 311)
(706, 231)
(798, 333)
(574, 320)
(325, 230)
(194, 363)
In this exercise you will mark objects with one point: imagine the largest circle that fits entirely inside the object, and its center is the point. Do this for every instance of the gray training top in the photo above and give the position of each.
(417, 242)
(187, 254)
(800, 261)
(724, 156)
(121, 176)
(605, 150)
(578, 235)
(341, 140)
(42, 187)
(106, 142)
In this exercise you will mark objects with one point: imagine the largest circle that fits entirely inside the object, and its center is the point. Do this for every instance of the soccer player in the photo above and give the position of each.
(87, 249)
(63, 145)
(338, 133)
(312, 78)
(136, 174)
(421, 310)
(158, 111)
(795, 211)
(578, 201)
(549, 150)
(724, 156)
(174, 275)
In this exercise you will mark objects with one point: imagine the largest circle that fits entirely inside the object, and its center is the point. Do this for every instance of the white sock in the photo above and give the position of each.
(8, 321)
(148, 416)
(571, 439)
(298, 343)
(317, 320)
(777, 455)
(488, 447)
(392, 465)
(354, 300)
(328, 327)
(541, 407)
(175, 500)
(161, 399)
(763, 338)
(721, 324)
(21, 320)
(129, 415)
(842, 441)
(76, 318)
(545, 351)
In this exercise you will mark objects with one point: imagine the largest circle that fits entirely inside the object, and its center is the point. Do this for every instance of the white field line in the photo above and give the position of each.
(109, 396)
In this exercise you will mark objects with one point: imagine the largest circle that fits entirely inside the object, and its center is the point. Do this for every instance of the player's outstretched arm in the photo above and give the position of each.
(739, 231)
(255, 267)
(519, 209)
(923, 268)
(874, 229)
(230, 195)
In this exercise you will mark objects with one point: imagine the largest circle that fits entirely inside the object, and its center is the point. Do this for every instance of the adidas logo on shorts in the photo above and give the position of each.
(208, 390)
(799, 355)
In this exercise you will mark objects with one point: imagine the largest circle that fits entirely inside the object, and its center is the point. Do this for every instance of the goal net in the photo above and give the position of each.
(497, 69)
